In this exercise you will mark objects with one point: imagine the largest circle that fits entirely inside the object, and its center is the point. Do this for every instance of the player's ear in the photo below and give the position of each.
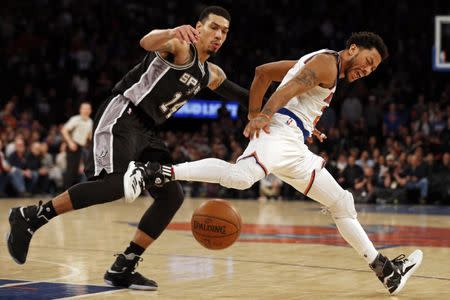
(353, 49)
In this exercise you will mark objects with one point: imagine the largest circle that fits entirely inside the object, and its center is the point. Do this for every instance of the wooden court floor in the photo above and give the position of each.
(287, 250)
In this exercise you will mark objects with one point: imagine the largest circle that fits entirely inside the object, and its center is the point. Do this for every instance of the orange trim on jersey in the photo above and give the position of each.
(313, 176)
(326, 100)
(257, 161)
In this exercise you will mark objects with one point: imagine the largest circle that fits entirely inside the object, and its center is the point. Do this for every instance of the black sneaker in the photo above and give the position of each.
(122, 274)
(23, 221)
(394, 273)
(140, 176)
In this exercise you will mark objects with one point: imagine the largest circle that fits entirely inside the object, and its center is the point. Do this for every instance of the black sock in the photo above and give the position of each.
(48, 211)
(135, 249)
(39, 215)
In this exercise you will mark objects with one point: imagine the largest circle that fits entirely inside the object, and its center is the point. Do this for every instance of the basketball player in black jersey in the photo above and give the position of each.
(172, 72)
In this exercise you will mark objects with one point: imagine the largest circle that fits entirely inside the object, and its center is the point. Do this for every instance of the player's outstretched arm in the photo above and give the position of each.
(219, 83)
(320, 70)
(264, 76)
(169, 40)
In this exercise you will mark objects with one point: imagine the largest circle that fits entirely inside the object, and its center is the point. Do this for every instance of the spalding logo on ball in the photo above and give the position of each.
(216, 224)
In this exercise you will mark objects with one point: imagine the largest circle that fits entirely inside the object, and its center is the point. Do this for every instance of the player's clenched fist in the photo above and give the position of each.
(185, 33)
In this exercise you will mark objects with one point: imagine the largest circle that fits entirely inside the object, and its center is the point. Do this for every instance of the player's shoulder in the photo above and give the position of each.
(326, 58)
(75, 118)
(324, 63)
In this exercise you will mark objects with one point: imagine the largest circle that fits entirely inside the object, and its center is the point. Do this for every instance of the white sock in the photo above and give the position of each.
(352, 231)
(205, 170)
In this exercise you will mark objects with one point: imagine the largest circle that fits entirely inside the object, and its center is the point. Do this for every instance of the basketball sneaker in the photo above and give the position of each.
(23, 221)
(394, 273)
(139, 176)
(122, 274)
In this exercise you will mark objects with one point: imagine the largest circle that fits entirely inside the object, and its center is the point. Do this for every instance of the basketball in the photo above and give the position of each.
(216, 224)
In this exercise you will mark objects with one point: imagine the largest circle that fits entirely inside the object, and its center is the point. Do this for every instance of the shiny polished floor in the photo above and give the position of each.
(287, 250)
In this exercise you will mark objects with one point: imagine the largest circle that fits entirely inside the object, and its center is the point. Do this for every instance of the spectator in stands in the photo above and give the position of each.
(440, 180)
(7, 117)
(365, 188)
(5, 168)
(391, 186)
(417, 176)
(391, 121)
(364, 160)
(352, 174)
(34, 163)
(21, 176)
(422, 125)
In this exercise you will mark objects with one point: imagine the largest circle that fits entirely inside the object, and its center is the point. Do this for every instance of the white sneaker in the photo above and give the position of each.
(134, 181)
(406, 267)
(394, 274)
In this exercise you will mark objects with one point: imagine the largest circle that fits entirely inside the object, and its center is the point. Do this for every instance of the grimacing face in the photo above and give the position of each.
(213, 33)
(363, 62)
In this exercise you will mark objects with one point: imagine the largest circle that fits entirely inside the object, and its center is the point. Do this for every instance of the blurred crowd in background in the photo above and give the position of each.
(388, 135)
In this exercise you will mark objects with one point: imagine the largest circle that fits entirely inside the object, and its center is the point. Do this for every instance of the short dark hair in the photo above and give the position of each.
(215, 10)
(368, 40)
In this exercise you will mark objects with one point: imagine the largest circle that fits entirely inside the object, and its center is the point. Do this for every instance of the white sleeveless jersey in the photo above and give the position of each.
(309, 106)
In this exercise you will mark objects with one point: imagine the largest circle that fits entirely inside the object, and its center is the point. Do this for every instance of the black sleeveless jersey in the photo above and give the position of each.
(160, 88)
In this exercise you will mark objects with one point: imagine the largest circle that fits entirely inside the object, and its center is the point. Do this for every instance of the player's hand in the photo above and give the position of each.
(73, 147)
(253, 127)
(186, 33)
(319, 135)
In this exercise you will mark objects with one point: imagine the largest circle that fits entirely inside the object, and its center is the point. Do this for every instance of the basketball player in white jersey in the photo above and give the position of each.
(277, 146)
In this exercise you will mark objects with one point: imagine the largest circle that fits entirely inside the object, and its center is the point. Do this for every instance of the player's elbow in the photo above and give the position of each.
(145, 44)
(142, 42)
(261, 74)
(260, 71)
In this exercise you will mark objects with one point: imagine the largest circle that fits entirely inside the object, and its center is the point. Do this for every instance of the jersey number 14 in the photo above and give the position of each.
(173, 105)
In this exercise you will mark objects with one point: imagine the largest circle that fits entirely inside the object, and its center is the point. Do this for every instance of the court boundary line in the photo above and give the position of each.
(74, 271)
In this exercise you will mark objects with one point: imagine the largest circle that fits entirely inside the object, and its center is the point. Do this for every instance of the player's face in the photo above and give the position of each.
(362, 63)
(213, 33)
(85, 110)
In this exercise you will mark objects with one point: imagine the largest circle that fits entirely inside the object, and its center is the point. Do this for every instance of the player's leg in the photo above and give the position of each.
(167, 200)
(24, 221)
(240, 175)
(323, 188)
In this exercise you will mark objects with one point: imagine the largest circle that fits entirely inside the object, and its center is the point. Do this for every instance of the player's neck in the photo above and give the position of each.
(202, 55)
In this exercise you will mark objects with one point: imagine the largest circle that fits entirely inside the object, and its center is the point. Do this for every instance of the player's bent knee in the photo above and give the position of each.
(237, 178)
(171, 194)
(175, 194)
(344, 207)
(100, 191)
